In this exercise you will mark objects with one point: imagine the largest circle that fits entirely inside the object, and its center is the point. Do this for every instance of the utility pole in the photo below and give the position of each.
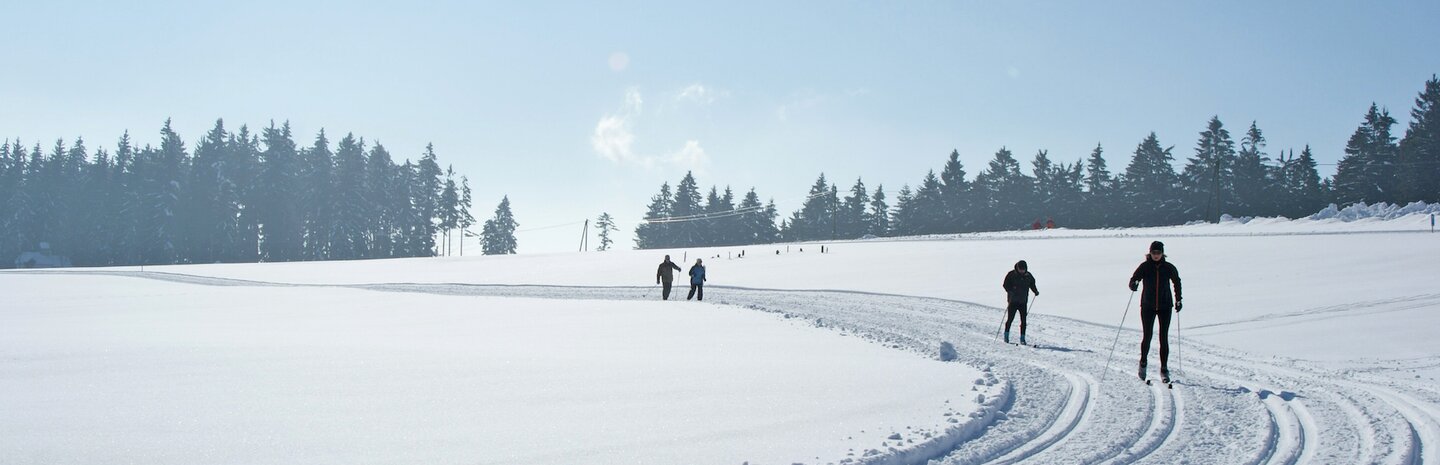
(585, 235)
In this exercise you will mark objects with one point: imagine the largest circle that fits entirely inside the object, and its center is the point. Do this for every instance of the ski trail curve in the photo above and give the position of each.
(1227, 405)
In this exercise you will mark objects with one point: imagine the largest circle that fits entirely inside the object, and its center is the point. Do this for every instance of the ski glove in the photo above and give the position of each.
(1134, 286)
(1178, 306)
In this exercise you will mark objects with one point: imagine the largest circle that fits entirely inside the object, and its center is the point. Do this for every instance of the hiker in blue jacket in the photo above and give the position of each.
(697, 281)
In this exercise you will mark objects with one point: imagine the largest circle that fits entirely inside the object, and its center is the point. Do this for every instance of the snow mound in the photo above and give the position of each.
(1381, 211)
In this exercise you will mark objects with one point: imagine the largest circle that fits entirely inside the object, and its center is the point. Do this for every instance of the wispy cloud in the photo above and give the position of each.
(699, 94)
(614, 139)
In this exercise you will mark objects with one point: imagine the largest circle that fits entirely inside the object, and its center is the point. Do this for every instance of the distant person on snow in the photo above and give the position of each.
(1019, 283)
(697, 281)
(665, 275)
(1155, 302)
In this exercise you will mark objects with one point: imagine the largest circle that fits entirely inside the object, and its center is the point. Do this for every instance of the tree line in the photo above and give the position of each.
(1221, 178)
(235, 197)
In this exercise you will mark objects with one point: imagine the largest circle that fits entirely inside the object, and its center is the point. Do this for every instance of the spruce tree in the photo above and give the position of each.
(466, 220)
(686, 209)
(1420, 148)
(498, 234)
(351, 201)
(317, 197)
(210, 211)
(955, 195)
(281, 229)
(449, 209)
(1208, 179)
(429, 200)
(1367, 172)
(380, 181)
(1253, 187)
(1149, 186)
(902, 220)
(879, 214)
(852, 212)
(1100, 186)
(1005, 192)
(654, 231)
(605, 224)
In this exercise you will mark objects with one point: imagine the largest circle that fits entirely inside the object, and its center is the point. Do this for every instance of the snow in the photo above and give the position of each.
(115, 369)
(1302, 341)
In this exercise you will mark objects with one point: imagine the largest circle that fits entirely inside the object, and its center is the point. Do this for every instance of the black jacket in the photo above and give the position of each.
(1017, 285)
(1157, 277)
(667, 271)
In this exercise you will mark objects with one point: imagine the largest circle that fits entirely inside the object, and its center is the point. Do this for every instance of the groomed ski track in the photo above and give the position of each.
(1226, 406)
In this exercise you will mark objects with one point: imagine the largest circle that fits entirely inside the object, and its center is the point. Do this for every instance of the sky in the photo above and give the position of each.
(574, 109)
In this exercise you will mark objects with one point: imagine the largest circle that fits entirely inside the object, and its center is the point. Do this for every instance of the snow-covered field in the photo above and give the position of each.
(1307, 341)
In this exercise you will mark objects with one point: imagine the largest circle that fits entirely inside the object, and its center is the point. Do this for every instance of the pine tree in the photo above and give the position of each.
(380, 181)
(751, 211)
(1100, 193)
(1208, 180)
(710, 231)
(466, 220)
(654, 231)
(929, 207)
(430, 201)
(245, 152)
(1005, 192)
(316, 177)
(282, 230)
(211, 209)
(449, 208)
(1420, 148)
(813, 221)
(902, 220)
(351, 201)
(879, 215)
(852, 212)
(955, 195)
(498, 236)
(605, 224)
(1253, 188)
(1367, 173)
(1149, 186)
(1058, 187)
(685, 209)
(1304, 193)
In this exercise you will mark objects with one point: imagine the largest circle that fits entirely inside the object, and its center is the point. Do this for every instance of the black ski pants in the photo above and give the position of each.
(1147, 325)
(665, 289)
(1010, 311)
(697, 291)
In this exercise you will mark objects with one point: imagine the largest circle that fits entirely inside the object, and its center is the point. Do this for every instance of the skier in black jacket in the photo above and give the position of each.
(1155, 303)
(1018, 285)
(665, 275)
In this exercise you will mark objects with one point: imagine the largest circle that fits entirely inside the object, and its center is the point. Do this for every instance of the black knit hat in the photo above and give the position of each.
(1157, 245)
(1021, 265)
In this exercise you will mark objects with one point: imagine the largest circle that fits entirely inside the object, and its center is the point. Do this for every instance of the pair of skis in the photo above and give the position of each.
(1169, 383)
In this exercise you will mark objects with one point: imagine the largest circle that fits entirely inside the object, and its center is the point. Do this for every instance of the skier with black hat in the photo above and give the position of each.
(1155, 303)
(1018, 284)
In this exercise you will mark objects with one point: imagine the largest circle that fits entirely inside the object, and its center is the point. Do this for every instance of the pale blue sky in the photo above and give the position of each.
(577, 108)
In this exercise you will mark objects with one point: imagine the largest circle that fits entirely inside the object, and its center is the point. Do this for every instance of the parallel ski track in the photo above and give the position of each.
(1059, 413)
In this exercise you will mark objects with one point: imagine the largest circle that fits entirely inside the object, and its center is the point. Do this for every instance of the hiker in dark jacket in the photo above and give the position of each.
(697, 281)
(1019, 283)
(665, 275)
(1155, 303)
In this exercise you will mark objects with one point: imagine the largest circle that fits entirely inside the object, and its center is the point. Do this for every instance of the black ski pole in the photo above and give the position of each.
(1117, 336)
(1178, 359)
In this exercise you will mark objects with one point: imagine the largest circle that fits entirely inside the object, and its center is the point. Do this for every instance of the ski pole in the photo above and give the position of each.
(1178, 359)
(1117, 336)
(1003, 314)
(1029, 308)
